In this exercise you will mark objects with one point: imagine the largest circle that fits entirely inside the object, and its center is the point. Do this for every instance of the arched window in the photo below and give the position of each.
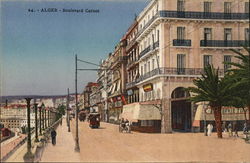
(180, 93)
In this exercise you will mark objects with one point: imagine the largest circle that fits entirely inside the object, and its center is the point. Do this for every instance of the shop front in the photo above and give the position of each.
(144, 118)
(115, 106)
(204, 115)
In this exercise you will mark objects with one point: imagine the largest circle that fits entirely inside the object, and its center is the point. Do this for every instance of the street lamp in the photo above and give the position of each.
(42, 107)
(40, 120)
(36, 122)
(28, 156)
(68, 116)
(45, 116)
(77, 147)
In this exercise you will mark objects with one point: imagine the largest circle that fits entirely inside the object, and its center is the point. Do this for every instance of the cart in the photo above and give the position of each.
(94, 120)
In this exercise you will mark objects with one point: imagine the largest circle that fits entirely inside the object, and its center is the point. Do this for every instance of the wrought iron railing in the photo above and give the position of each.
(178, 42)
(149, 48)
(224, 43)
(170, 71)
(194, 15)
(204, 15)
(156, 45)
(147, 24)
(145, 51)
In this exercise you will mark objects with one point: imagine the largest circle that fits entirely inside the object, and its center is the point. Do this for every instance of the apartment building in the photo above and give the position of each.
(116, 81)
(15, 116)
(176, 40)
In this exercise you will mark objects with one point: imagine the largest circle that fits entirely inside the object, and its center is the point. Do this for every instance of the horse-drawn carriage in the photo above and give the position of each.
(82, 115)
(94, 120)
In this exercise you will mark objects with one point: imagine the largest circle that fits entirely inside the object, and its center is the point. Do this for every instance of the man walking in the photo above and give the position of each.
(53, 136)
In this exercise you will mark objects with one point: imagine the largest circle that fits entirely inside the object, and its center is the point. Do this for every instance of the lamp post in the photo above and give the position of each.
(40, 120)
(68, 116)
(45, 116)
(28, 156)
(48, 117)
(42, 107)
(36, 122)
(77, 147)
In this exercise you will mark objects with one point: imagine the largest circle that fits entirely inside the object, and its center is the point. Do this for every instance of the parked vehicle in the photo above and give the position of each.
(94, 120)
(82, 115)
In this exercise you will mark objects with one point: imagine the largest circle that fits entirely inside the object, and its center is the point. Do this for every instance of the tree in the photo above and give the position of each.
(214, 90)
(241, 80)
(60, 111)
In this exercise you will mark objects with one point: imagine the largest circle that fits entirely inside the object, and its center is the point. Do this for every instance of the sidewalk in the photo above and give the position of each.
(63, 151)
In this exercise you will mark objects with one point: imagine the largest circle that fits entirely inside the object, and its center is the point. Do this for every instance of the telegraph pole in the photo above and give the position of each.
(68, 116)
(77, 147)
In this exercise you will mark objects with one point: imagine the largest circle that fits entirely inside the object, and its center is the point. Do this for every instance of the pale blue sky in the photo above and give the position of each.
(37, 49)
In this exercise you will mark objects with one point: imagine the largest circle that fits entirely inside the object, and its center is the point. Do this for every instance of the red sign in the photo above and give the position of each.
(124, 100)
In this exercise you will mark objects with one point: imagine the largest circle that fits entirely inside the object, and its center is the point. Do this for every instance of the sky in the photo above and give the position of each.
(38, 49)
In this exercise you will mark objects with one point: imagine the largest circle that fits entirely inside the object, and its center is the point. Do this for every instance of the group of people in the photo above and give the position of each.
(124, 122)
(230, 128)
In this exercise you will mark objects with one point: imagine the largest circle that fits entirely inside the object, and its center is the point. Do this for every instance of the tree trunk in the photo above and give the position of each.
(245, 114)
(217, 117)
(248, 115)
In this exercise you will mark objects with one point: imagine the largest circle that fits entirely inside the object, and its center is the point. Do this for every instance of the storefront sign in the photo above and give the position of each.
(130, 92)
(226, 110)
(148, 87)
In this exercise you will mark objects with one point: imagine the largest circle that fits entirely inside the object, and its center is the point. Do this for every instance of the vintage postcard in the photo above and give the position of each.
(125, 81)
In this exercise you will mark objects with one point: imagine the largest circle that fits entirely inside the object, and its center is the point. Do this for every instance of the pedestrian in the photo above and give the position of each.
(235, 129)
(209, 129)
(224, 127)
(229, 127)
(245, 129)
(53, 136)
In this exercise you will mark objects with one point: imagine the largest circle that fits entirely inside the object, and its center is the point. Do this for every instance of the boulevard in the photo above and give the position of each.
(106, 144)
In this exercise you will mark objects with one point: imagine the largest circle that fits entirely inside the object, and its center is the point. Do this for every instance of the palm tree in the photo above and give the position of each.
(214, 90)
(241, 74)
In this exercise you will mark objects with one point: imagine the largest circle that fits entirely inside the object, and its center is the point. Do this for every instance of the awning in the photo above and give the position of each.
(118, 85)
(110, 88)
(134, 112)
(198, 116)
(113, 89)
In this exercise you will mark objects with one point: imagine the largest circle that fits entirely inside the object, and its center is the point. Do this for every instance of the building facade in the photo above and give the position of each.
(177, 39)
(116, 81)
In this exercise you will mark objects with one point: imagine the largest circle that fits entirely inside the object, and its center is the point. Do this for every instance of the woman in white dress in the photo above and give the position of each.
(209, 129)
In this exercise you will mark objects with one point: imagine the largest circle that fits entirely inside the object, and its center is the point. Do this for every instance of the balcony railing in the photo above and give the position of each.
(170, 71)
(156, 45)
(194, 15)
(178, 42)
(145, 51)
(224, 43)
(204, 15)
(149, 48)
(147, 24)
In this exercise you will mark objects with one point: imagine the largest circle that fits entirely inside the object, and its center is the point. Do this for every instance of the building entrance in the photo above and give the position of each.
(181, 110)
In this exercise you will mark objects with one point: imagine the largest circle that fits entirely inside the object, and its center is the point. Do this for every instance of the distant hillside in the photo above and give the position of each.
(11, 98)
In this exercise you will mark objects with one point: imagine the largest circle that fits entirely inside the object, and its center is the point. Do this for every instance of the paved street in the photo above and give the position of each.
(107, 144)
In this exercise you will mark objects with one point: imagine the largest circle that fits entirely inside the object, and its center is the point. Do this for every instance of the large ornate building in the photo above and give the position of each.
(167, 47)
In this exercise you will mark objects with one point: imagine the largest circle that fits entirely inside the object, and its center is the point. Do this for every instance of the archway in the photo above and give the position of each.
(181, 110)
